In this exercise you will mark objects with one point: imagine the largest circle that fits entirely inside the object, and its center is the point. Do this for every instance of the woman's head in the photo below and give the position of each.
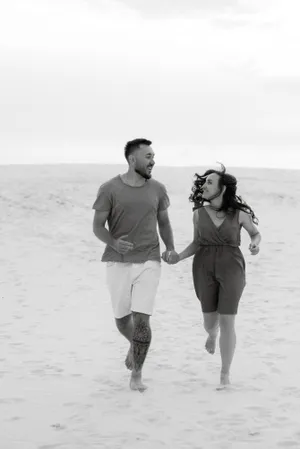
(214, 184)
(218, 184)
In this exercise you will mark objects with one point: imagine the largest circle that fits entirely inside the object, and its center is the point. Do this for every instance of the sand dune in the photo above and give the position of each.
(62, 376)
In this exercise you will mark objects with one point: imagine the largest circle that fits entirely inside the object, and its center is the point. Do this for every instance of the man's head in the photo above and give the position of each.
(140, 156)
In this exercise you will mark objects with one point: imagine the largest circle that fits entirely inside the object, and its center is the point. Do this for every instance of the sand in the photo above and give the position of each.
(63, 384)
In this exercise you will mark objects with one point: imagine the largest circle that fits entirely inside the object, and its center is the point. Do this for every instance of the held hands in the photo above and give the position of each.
(254, 249)
(171, 257)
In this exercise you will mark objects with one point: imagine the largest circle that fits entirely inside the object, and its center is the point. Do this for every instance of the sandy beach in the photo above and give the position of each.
(63, 383)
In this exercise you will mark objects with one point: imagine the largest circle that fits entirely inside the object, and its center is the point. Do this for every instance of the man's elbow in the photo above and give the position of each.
(96, 229)
(165, 224)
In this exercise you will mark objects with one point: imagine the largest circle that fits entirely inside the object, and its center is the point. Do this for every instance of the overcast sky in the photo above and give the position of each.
(205, 80)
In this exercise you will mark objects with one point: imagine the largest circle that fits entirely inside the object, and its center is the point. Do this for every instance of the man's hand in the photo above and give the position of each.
(254, 249)
(171, 257)
(122, 246)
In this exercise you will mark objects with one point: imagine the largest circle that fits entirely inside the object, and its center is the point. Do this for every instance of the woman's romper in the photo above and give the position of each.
(218, 265)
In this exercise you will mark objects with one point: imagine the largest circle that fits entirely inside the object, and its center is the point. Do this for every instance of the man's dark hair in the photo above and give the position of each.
(132, 145)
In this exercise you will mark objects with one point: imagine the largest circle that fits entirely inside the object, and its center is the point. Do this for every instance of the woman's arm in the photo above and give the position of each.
(191, 249)
(254, 234)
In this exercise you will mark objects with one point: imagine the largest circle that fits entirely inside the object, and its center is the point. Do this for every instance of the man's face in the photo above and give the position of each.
(211, 186)
(143, 161)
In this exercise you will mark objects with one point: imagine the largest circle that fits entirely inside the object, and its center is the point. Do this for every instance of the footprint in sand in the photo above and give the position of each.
(288, 443)
(14, 418)
(11, 400)
(50, 446)
(58, 426)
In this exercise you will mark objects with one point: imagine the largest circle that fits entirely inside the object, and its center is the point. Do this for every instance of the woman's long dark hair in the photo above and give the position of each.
(231, 201)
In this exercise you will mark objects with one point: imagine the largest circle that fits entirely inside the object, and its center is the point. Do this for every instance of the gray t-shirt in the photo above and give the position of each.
(132, 212)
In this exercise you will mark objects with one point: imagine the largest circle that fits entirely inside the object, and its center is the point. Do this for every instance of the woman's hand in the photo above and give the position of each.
(254, 249)
(171, 257)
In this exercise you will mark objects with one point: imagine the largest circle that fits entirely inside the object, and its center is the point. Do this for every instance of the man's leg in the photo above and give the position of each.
(141, 340)
(211, 325)
(120, 292)
(145, 284)
(125, 327)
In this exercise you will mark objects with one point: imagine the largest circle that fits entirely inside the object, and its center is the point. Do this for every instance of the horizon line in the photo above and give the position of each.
(243, 167)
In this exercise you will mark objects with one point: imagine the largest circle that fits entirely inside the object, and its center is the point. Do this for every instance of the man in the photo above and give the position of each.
(133, 204)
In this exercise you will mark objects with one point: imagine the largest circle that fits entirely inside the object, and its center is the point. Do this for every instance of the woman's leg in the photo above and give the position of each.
(227, 345)
(207, 290)
(211, 325)
(231, 275)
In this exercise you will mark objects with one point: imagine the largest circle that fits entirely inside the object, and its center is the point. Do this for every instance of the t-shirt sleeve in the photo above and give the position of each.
(103, 201)
(164, 200)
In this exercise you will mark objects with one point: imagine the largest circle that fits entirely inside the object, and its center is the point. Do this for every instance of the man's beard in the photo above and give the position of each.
(143, 173)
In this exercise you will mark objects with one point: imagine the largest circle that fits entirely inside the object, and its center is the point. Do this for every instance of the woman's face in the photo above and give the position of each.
(211, 186)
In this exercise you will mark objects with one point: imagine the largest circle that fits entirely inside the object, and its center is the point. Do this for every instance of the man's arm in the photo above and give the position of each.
(100, 230)
(165, 229)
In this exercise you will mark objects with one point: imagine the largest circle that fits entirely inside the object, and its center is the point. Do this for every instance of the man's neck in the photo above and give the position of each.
(133, 179)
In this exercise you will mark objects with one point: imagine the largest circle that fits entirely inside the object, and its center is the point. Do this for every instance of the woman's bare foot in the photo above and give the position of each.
(129, 359)
(224, 381)
(210, 344)
(136, 383)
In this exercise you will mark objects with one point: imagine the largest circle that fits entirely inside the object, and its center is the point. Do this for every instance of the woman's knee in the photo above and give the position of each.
(227, 322)
(210, 321)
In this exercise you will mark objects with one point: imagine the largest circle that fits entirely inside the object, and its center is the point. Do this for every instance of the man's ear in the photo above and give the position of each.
(131, 159)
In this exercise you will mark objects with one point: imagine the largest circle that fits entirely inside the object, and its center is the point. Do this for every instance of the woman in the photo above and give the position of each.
(218, 265)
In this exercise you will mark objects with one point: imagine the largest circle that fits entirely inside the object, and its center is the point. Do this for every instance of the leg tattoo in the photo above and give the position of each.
(140, 344)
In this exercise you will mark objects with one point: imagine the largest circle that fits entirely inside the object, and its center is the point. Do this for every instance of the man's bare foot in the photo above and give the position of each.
(210, 344)
(136, 383)
(224, 381)
(129, 359)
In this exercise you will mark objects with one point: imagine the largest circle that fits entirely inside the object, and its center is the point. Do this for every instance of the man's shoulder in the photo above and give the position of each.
(110, 183)
(157, 184)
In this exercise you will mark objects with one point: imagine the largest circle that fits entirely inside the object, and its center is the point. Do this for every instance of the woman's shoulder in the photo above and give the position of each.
(197, 211)
(242, 215)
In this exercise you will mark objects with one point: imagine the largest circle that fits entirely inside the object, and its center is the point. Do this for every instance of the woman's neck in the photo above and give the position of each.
(215, 204)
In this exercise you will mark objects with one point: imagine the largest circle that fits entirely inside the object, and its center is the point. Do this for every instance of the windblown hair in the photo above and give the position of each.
(231, 201)
(133, 145)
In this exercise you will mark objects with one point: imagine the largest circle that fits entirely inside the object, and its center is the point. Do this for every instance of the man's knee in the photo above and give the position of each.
(123, 323)
(141, 327)
(140, 317)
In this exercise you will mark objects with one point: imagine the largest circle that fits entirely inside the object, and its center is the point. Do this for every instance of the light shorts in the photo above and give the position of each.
(133, 286)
